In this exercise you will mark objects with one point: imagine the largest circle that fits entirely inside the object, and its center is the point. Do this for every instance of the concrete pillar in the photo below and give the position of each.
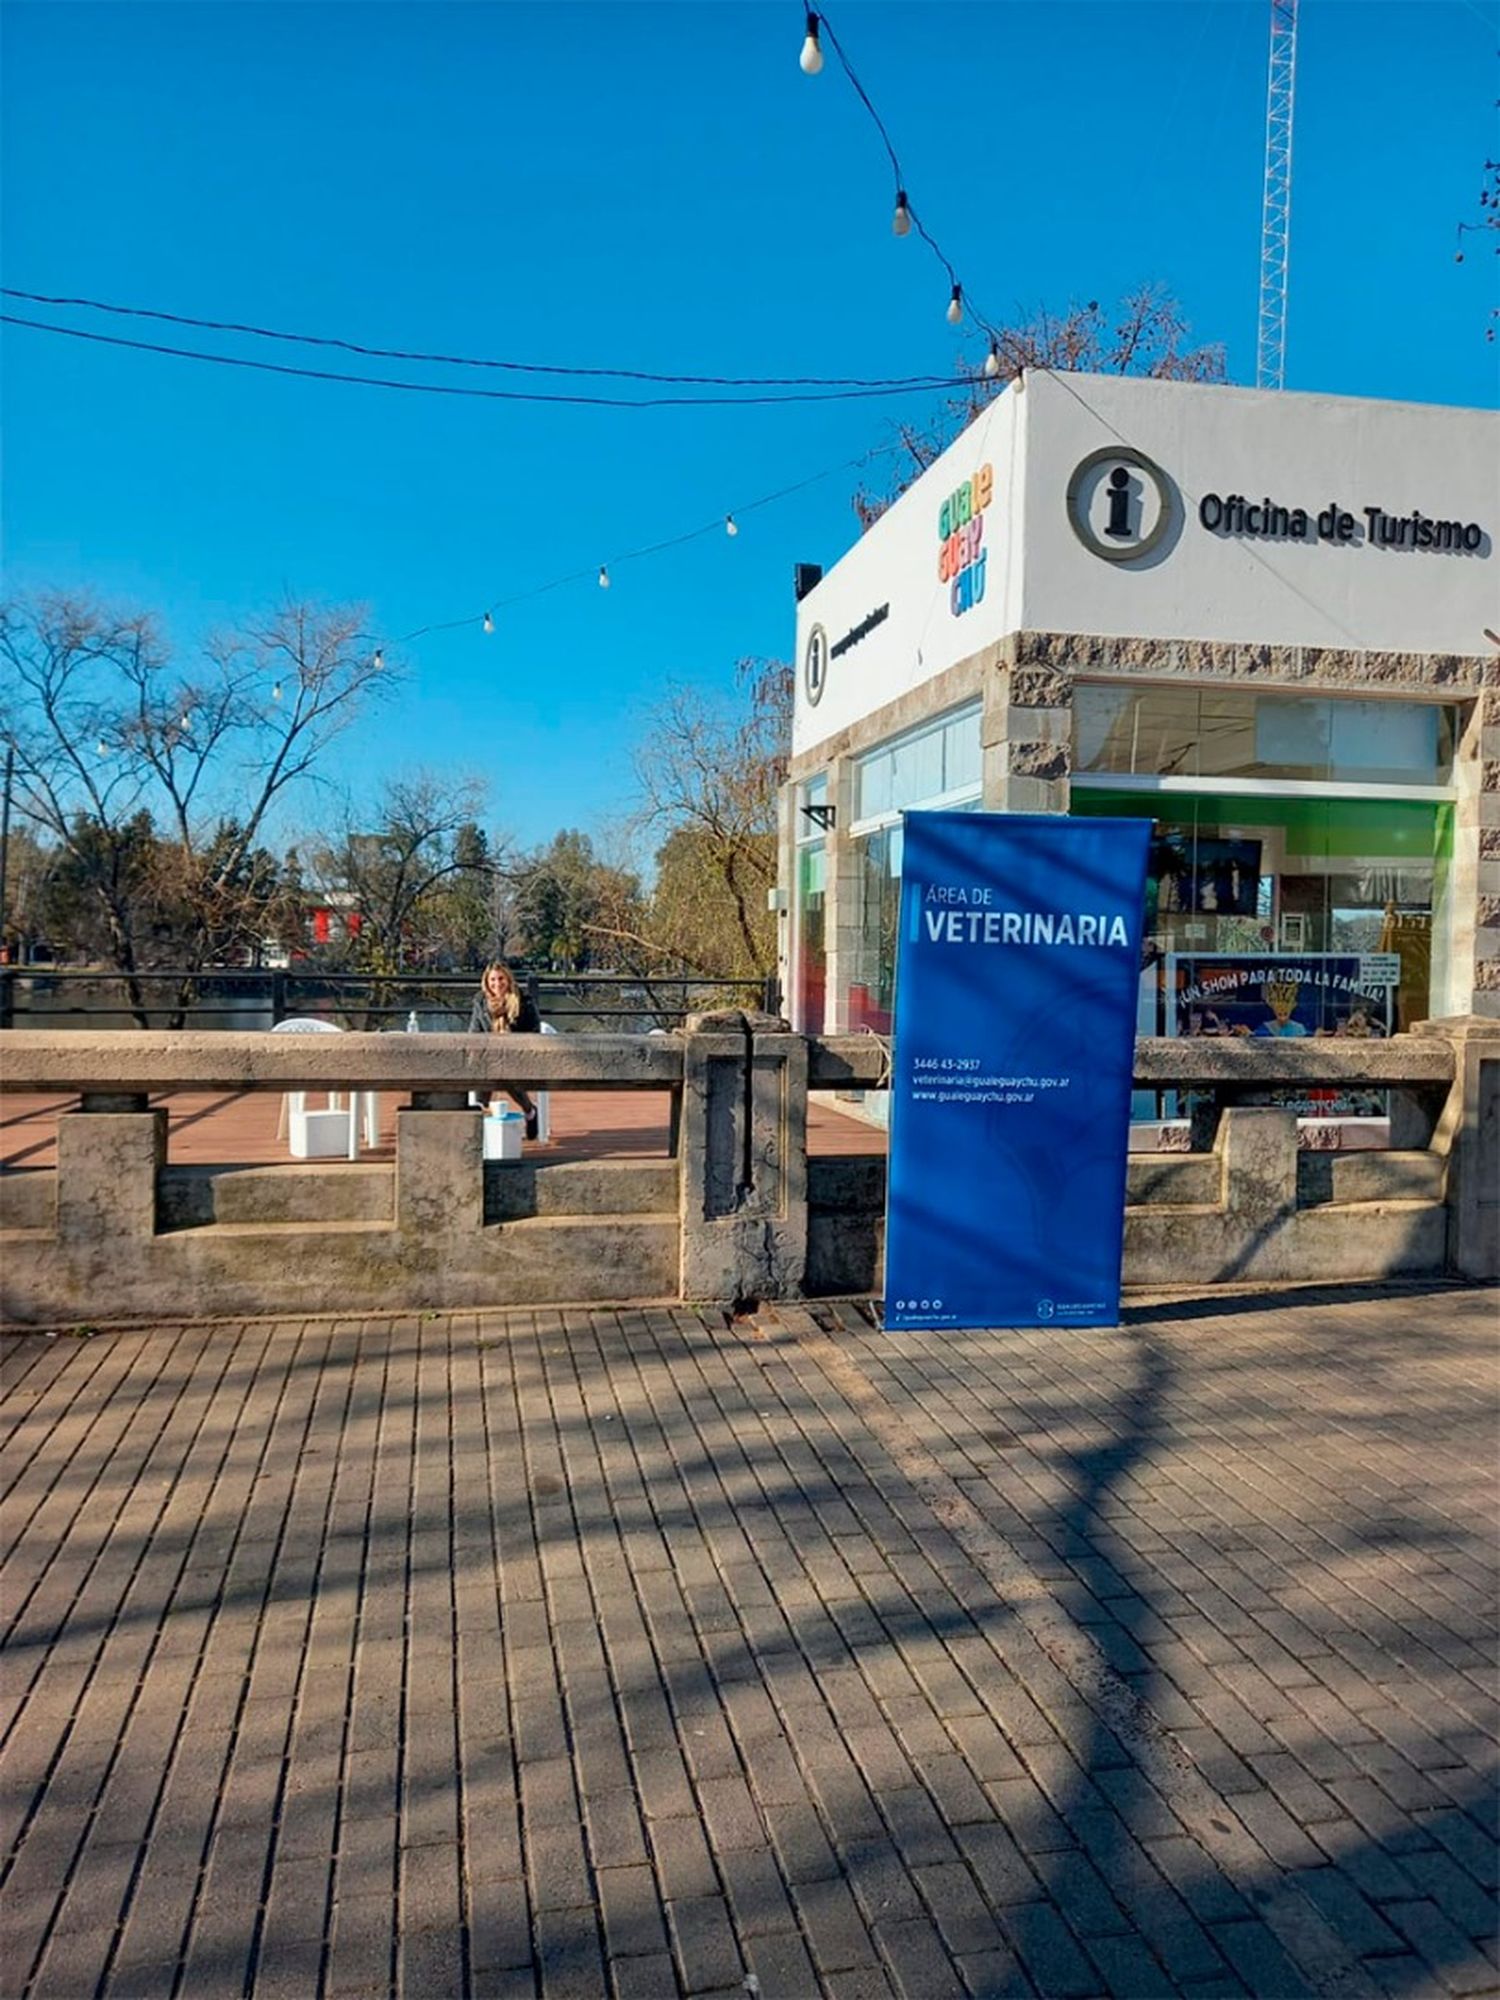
(1470, 920)
(1487, 861)
(1026, 737)
(1257, 1149)
(786, 890)
(108, 1157)
(842, 930)
(439, 1172)
(743, 1175)
(1468, 1132)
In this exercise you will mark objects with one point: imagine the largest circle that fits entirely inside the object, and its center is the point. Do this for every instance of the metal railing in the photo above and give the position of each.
(248, 998)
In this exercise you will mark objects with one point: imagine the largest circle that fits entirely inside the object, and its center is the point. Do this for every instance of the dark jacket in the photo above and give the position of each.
(528, 1021)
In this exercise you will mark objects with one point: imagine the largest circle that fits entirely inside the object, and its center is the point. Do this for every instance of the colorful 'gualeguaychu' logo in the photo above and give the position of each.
(962, 556)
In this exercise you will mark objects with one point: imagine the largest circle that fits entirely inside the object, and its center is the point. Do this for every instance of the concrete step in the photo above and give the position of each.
(579, 1187)
(1362, 1177)
(351, 1191)
(1178, 1179)
(28, 1198)
(261, 1197)
(356, 1266)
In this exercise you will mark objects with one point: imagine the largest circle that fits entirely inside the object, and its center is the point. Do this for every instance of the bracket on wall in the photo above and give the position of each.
(822, 816)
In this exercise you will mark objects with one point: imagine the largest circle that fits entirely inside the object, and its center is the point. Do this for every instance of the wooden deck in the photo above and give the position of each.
(239, 1129)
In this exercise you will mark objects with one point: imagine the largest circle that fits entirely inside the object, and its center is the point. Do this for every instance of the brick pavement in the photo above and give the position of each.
(633, 1654)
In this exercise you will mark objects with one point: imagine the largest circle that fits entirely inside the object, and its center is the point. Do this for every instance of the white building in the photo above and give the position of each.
(1265, 621)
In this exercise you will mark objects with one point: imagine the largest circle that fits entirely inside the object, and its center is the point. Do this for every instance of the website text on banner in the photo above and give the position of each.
(1017, 974)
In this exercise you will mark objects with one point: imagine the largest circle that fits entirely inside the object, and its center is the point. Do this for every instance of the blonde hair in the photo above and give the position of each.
(505, 1007)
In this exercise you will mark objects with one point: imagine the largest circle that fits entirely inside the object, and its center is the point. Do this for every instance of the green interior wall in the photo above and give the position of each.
(1410, 829)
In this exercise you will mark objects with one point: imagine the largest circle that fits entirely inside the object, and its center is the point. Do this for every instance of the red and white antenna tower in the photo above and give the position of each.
(1276, 203)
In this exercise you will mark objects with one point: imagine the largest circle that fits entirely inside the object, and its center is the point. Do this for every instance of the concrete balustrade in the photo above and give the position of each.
(115, 1231)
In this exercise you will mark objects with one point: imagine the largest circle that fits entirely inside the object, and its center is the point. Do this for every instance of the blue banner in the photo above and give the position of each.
(1017, 975)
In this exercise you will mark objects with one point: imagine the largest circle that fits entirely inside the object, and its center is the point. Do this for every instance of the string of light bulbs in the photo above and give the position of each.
(905, 218)
(727, 524)
(905, 221)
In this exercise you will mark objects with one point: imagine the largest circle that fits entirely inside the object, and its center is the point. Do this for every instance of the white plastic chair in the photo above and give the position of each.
(543, 1100)
(294, 1114)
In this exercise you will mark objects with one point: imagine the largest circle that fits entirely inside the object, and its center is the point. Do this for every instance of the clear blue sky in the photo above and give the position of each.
(658, 187)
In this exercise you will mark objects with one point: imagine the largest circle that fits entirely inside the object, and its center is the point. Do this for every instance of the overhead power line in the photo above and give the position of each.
(345, 346)
(468, 390)
(812, 63)
(767, 389)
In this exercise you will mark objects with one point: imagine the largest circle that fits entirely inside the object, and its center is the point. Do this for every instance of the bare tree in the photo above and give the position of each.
(709, 773)
(395, 866)
(28, 874)
(1487, 223)
(106, 730)
(1148, 335)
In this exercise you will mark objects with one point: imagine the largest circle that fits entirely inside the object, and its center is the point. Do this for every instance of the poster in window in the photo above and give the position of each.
(1275, 995)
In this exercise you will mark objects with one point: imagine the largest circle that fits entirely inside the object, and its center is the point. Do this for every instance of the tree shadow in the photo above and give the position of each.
(614, 1592)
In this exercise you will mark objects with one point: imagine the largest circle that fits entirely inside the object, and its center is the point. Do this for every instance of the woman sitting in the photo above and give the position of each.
(501, 1008)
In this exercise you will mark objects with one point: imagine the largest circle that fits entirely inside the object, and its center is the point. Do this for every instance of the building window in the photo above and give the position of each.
(1240, 733)
(811, 934)
(872, 977)
(1309, 831)
(934, 768)
(1279, 879)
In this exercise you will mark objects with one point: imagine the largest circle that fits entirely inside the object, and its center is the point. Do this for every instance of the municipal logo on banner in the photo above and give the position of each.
(1018, 969)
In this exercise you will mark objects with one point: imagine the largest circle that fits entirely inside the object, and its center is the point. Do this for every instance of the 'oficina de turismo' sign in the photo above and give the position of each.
(1017, 975)
(1373, 527)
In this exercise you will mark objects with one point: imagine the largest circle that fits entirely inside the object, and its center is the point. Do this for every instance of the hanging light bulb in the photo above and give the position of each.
(276, 691)
(489, 622)
(956, 306)
(812, 56)
(603, 577)
(379, 660)
(901, 221)
(731, 525)
(102, 747)
(992, 360)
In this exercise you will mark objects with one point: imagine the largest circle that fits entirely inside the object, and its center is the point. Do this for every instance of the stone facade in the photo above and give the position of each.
(1309, 669)
(1025, 688)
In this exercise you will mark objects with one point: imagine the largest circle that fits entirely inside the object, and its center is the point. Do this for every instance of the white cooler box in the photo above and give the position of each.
(503, 1132)
(319, 1135)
